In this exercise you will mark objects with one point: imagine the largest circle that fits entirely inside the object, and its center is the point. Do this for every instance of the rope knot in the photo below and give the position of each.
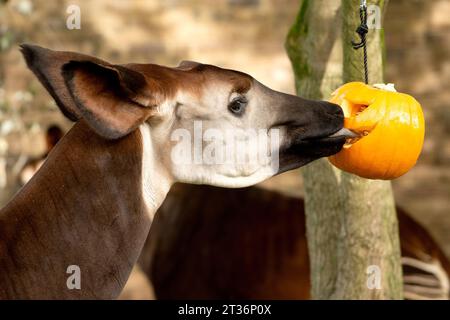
(362, 31)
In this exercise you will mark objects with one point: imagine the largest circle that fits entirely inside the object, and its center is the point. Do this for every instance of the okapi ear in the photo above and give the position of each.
(113, 99)
(47, 65)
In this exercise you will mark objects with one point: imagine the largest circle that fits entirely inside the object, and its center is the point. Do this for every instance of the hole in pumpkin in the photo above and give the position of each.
(352, 110)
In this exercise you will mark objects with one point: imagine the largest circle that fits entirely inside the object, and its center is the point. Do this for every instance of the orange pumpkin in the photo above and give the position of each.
(390, 126)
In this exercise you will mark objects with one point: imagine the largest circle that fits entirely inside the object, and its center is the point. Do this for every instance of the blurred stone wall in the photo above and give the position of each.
(246, 35)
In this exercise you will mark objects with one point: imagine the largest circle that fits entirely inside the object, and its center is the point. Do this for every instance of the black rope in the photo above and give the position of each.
(362, 31)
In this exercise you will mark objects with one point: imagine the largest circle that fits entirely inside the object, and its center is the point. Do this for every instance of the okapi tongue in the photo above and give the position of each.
(345, 133)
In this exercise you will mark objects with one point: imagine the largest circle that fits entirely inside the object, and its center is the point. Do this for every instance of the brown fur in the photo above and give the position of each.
(61, 218)
(250, 243)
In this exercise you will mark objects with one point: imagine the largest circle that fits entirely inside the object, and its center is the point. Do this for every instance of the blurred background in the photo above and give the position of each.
(246, 35)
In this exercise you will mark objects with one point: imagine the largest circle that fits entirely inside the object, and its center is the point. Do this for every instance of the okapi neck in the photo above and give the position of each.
(84, 207)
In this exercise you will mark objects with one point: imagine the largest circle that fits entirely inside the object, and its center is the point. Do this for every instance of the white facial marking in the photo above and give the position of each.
(224, 157)
(201, 150)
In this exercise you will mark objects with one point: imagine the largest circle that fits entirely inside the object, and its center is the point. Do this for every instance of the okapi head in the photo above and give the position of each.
(173, 105)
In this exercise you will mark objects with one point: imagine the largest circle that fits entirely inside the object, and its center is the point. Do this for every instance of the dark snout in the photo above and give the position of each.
(310, 132)
(308, 119)
(320, 119)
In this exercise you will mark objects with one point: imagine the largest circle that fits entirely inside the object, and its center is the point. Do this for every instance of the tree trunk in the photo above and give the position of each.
(352, 227)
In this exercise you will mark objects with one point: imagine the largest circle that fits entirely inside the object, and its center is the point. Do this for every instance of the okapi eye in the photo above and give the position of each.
(237, 106)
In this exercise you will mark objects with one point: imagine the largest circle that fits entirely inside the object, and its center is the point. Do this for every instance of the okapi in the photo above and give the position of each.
(92, 202)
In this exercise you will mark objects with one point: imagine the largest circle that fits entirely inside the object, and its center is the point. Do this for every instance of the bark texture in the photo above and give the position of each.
(352, 227)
